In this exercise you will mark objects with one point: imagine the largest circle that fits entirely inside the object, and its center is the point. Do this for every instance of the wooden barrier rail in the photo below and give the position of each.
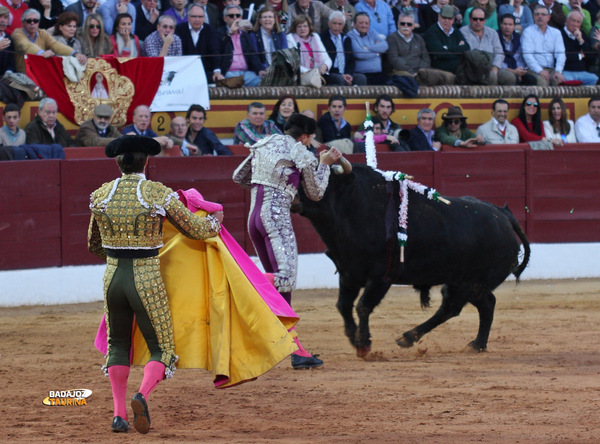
(44, 212)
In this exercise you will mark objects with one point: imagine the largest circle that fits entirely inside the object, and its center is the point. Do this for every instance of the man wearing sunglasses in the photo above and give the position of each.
(238, 51)
(163, 42)
(543, 49)
(407, 55)
(484, 38)
(380, 14)
(31, 40)
(587, 128)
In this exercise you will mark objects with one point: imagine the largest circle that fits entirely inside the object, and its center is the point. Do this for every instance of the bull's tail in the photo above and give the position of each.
(519, 268)
(424, 294)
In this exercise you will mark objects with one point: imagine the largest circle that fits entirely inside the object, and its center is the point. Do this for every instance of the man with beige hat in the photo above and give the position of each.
(97, 131)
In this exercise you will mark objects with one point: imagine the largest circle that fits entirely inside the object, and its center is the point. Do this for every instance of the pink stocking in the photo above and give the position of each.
(118, 375)
(301, 351)
(154, 372)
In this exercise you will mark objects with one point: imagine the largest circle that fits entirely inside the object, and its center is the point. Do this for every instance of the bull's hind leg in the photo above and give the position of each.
(374, 292)
(453, 300)
(346, 297)
(485, 306)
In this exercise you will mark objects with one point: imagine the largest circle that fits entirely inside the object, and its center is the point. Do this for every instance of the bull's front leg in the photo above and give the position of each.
(374, 292)
(346, 297)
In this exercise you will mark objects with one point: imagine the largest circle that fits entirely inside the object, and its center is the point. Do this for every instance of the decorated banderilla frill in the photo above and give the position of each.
(405, 182)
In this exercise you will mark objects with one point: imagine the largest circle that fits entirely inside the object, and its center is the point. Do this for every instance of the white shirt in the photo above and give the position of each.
(543, 49)
(586, 130)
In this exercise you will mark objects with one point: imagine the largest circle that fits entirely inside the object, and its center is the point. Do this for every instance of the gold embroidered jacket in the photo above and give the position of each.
(128, 212)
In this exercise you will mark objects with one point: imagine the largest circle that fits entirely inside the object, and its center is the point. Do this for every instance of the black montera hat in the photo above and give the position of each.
(132, 144)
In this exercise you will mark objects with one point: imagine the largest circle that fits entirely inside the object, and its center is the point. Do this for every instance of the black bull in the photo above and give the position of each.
(469, 247)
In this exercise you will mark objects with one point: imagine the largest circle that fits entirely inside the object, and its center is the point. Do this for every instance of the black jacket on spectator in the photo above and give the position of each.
(77, 8)
(348, 53)
(7, 58)
(418, 141)
(248, 49)
(208, 46)
(143, 27)
(573, 48)
(329, 131)
(37, 133)
(56, 9)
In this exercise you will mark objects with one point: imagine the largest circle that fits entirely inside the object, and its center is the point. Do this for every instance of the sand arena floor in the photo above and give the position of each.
(539, 382)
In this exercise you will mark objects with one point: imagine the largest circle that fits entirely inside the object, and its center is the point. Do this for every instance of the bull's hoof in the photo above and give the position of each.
(363, 351)
(407, 340)
(475, 347)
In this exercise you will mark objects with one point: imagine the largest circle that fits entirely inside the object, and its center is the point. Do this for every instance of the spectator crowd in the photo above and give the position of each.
(347, 42)
(364, 42)
(192, 138)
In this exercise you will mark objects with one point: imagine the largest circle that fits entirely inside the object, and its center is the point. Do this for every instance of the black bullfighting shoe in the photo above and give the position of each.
(119, 425)
(141, 418)
(303, 362)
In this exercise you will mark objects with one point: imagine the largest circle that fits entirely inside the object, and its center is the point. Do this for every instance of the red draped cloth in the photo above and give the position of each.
(144, 72)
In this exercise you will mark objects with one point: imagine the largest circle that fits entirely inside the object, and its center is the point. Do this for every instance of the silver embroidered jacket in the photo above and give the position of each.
(281, 162)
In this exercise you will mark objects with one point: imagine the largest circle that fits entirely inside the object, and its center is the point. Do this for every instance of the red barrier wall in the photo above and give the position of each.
(44, 212)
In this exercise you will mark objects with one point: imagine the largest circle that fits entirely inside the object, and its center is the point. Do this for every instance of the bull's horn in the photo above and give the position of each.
(346, 166)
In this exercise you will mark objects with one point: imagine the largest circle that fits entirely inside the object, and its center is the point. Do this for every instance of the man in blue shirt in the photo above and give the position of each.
(382, 18)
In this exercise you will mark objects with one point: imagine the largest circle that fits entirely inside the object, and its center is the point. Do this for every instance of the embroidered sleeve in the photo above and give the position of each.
(315, 176)
(243, 173)
(95, 240)
(189, 224)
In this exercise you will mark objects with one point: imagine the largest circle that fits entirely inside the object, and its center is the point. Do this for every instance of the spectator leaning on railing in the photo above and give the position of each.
(32, 40)
(204, 139)
(498, 130)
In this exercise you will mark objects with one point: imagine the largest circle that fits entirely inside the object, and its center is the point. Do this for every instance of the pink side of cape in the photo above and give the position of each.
(194, 201)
